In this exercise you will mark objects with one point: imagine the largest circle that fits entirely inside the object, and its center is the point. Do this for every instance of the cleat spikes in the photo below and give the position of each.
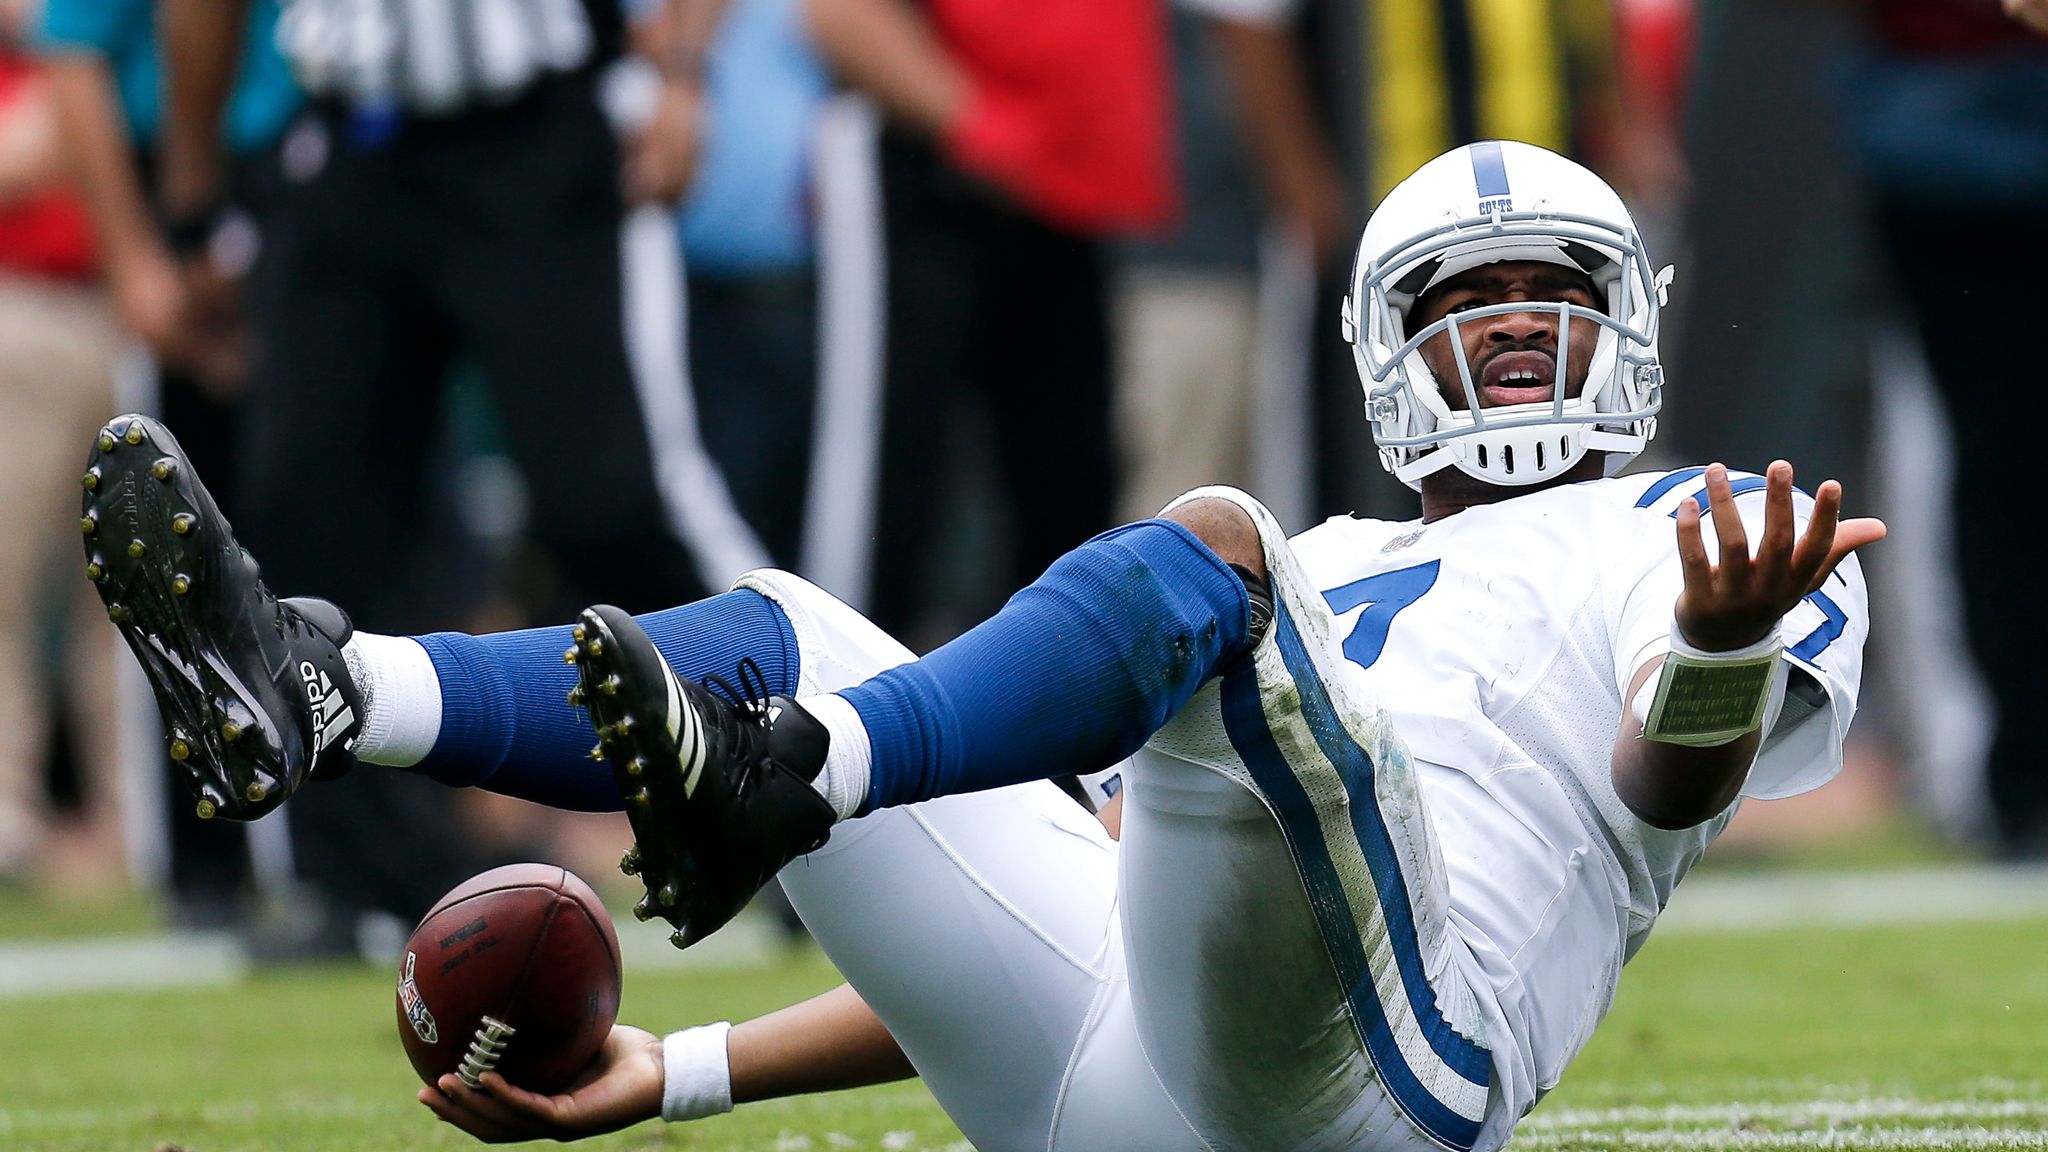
(597, 752)
(231, 666)
(677, 938)
(569, 656)
(579, 633)
(712, 826)
(644, 910)
(576, 696)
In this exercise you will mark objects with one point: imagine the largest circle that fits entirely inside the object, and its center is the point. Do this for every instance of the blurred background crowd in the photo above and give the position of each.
(476, 311)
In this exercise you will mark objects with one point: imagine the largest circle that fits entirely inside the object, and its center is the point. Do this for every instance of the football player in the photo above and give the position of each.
(1398, 799)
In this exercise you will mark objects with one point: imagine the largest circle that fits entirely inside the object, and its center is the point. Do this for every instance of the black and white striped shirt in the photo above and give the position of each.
(438, 57)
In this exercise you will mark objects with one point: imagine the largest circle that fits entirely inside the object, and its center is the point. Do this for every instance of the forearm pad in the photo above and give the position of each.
(1703, 699)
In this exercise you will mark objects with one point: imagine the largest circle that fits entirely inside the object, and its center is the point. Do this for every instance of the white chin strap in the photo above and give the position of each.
(1512, 460)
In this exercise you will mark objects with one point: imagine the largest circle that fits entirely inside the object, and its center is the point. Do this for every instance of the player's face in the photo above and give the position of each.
(1513, 356)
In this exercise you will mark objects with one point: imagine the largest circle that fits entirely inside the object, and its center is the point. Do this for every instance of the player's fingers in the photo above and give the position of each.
(1774, 551)
(1851, 535)
(451, 1112)
(485, 1112)
(1810, 556)
(512, 1097)
(1692, 549)
(1727, 524)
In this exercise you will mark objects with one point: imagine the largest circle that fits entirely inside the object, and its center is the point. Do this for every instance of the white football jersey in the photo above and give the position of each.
(1502, 641)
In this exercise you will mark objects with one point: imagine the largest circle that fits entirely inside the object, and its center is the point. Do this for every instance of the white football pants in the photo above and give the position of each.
(1263, 963)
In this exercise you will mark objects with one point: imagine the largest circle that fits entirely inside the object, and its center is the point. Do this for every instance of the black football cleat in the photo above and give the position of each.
(253, 690)
(718, 788)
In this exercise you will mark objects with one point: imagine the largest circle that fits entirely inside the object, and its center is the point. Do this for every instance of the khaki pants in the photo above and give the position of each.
(58, 344)
(1185, 344)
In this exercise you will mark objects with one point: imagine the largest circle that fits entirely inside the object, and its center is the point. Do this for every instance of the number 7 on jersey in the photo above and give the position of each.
(1387, 593)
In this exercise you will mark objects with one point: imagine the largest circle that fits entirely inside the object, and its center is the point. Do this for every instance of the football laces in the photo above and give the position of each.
(484, 1051)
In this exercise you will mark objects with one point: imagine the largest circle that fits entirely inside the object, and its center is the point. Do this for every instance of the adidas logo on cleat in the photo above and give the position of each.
(332, 715)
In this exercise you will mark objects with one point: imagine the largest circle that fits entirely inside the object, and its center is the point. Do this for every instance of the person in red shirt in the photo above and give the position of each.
(1019, 136)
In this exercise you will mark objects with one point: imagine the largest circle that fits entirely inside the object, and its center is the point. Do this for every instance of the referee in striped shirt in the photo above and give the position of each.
(484, 177)
(489, 177)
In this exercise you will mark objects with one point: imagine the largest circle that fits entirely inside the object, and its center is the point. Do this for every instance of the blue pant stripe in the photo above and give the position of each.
(1245, 721)
(1355, 769)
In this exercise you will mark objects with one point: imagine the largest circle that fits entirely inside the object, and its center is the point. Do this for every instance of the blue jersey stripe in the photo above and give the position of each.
(1830, 629)
(1656, 491)
(1489, 170)
(1355, 768)
(1737, 486)
(1244, 719)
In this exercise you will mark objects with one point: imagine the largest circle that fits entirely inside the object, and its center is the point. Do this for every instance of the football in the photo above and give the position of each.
(517, 969)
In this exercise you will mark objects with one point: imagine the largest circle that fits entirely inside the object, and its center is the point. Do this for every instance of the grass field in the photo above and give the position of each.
(1902, 1037)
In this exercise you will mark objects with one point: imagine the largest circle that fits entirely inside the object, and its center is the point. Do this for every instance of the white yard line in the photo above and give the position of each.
(1796, 1113)
(214, 959)
(1714, 1140)
(1926, 895)
(1708, 903)
(1873, 1123)
(187, 960)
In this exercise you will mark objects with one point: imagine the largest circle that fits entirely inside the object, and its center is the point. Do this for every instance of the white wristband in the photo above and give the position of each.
(1703, 699)
(696, 1075)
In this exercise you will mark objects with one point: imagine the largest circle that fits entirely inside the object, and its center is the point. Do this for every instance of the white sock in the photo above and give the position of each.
(401, 698)
(843, 782)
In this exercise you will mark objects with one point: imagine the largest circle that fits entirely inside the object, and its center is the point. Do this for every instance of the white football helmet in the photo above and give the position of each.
(1486, 202)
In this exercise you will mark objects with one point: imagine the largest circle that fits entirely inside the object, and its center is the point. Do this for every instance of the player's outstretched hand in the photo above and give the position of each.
(1736, 602)
(621, 1088)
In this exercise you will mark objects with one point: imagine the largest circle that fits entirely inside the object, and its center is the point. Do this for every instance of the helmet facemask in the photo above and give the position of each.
(1613, 410)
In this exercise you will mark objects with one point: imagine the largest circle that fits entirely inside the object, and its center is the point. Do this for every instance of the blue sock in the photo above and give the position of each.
(506, 722)
(1074, 674)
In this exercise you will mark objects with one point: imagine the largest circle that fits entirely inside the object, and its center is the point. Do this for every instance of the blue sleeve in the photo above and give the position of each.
(91, 25)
